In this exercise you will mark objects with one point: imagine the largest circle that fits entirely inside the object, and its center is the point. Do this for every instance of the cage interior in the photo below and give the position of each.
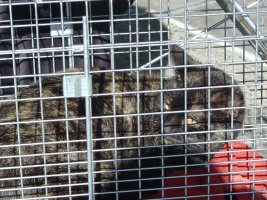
(120, 99)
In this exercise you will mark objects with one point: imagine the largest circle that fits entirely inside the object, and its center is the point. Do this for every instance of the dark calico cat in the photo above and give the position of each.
(138, 137)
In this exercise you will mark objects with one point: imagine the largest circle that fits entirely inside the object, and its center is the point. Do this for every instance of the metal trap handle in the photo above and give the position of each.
(244, 24)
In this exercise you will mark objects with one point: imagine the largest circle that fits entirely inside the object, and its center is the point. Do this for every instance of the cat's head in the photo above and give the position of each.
(203, 111)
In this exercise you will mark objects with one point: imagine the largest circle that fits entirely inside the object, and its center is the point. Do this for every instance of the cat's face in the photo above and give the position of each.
(210, 116)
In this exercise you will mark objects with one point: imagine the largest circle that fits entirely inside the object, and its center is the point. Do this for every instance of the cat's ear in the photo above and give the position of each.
(177, 55)
(223, 99)
(178, 58)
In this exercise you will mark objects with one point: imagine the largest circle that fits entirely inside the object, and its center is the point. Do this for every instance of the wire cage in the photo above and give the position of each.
(131, 99)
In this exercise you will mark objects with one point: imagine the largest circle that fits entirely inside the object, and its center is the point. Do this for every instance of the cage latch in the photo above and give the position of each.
(77, 86)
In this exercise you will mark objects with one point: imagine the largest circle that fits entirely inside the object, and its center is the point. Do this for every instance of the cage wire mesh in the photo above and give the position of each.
(120, 99)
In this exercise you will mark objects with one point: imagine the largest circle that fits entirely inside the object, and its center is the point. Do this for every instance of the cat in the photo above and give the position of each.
(142, 129)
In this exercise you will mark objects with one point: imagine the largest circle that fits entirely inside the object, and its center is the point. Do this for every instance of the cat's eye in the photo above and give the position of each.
(167, 107)
(191, 121)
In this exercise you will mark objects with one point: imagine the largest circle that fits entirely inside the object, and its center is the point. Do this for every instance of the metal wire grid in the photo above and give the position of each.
(150, 29)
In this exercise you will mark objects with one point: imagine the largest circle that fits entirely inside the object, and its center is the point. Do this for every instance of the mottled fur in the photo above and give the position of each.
(129, 131)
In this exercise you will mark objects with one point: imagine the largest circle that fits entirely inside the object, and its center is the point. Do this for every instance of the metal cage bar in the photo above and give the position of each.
(121, 99)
